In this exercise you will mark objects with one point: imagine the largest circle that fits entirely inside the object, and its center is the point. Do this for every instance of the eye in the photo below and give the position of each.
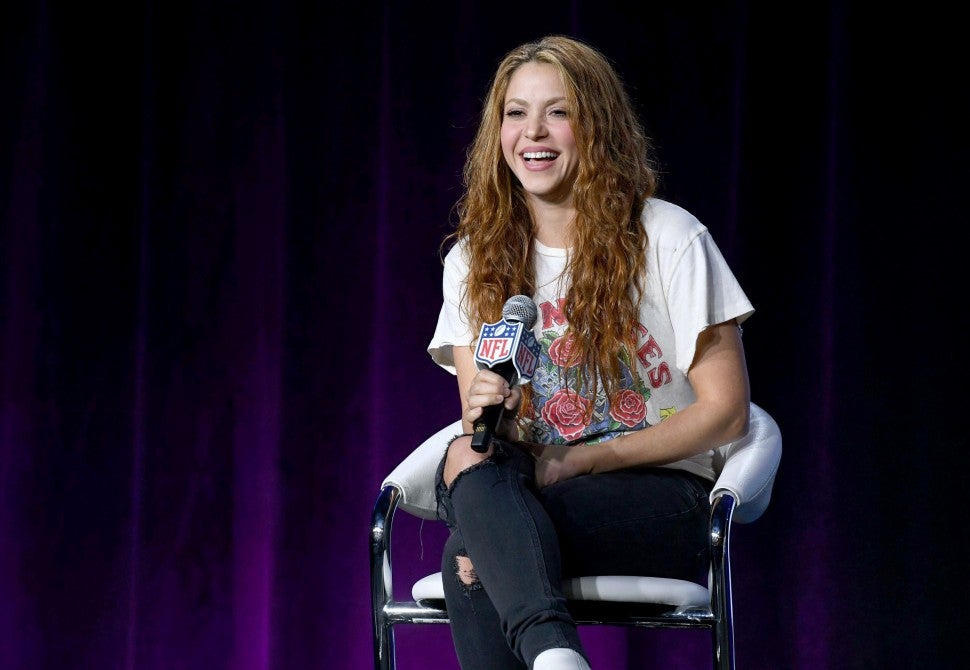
(560, 113)
(514, 113)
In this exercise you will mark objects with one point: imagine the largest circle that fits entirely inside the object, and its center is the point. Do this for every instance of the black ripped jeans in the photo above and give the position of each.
(523, 541)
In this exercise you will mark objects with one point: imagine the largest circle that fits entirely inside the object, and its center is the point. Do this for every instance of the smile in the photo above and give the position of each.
(539, 155)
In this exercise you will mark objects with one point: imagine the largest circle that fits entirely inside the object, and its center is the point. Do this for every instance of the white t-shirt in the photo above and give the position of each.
(688, 287)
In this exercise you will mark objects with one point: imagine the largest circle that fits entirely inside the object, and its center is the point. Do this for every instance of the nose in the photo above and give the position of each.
(536, 128)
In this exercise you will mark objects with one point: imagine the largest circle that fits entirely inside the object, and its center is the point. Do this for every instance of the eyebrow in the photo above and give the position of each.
(520, 101)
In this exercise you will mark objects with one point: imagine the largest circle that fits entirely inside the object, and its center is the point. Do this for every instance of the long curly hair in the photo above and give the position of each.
(608, 247)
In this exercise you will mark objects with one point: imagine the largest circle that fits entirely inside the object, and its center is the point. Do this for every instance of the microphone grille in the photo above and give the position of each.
(521, 308)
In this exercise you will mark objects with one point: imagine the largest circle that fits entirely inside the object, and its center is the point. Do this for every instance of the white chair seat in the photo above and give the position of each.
(677, 592)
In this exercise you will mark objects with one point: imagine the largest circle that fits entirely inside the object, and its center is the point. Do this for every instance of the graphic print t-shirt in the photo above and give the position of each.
(689, 287)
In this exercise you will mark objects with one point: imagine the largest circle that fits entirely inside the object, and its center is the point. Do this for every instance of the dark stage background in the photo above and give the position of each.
(219, 273)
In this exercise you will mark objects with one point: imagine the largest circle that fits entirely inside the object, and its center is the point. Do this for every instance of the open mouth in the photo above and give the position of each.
(536, 156)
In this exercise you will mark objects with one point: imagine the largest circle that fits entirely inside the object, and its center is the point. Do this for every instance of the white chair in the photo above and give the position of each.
(745, 472)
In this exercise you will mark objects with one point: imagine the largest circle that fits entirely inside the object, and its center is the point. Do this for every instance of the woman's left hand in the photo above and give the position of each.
(556, 462)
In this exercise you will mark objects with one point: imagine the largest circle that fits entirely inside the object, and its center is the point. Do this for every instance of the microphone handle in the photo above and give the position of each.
(486, 425)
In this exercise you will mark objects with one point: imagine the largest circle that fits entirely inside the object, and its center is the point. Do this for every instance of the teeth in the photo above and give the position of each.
(529, 155)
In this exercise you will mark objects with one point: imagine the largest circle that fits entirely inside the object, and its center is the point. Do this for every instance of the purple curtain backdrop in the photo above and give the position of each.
(219, 272)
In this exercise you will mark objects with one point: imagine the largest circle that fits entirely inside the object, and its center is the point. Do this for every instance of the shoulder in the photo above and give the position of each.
(457, 256)
(669, 225)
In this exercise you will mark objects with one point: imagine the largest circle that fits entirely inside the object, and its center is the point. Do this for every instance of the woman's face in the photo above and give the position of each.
(537, 140)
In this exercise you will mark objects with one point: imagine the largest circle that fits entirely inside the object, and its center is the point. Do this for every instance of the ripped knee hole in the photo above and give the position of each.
(465, 571)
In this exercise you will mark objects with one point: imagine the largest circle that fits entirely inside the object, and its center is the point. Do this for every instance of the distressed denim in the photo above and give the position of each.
(523, 541)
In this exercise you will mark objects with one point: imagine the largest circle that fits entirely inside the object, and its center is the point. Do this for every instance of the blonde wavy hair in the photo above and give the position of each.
(614, 179)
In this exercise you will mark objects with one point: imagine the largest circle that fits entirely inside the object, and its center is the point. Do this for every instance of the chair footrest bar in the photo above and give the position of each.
(414, 612)
(584, 612)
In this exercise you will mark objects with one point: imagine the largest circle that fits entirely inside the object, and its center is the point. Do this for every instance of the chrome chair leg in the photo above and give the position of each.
(723, 631)
(382, 590)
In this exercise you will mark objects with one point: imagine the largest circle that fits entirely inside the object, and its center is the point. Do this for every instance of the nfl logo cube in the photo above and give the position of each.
(504, 342)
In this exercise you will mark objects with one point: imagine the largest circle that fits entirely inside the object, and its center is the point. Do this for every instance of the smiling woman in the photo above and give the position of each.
(640, 374)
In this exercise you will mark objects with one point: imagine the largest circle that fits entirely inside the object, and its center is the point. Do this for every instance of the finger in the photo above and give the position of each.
(513, 398)
(488, 392)
(491, 384)
(487, 375)
(485, 399)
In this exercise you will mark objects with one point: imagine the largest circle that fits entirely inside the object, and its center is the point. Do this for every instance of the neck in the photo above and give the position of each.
(553, 224)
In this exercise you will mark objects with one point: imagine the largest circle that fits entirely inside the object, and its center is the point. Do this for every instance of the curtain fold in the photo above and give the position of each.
(220, 269)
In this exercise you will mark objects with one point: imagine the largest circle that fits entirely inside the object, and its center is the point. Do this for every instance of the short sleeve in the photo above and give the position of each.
(701, 292)
(453, 328)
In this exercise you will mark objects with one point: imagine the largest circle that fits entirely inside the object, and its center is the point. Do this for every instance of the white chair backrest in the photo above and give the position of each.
(745, 468)
(415, 474)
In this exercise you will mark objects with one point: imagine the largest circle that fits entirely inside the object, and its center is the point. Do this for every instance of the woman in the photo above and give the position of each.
(602, 464)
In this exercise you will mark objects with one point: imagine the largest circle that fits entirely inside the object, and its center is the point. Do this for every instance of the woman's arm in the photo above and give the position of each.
(719, 378)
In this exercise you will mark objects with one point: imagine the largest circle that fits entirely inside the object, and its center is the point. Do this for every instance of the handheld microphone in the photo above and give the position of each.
(508, 348)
